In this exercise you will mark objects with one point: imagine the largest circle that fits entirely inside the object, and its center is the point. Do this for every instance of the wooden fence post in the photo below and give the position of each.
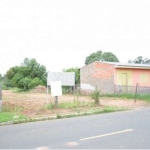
(136, 92)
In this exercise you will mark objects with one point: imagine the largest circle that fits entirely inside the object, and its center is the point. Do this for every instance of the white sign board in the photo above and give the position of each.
(66, 78)
(56, 89)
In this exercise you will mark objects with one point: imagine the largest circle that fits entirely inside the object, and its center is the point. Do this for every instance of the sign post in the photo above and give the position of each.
(56, 90)
(58, 79)
(56, 101)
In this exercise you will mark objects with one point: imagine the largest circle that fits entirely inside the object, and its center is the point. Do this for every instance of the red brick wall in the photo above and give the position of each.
(97, 74)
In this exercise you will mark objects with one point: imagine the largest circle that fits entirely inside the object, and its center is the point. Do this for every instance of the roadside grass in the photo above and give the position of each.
(17, 117)
(92, 111)
(70, 104)
(82, 108)
(144, 97)
(78, 108)
(10, 114)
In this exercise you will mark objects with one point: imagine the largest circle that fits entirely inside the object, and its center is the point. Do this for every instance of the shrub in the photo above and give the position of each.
(95, 95)
(35, 82)
(5, 87)
(25, 83)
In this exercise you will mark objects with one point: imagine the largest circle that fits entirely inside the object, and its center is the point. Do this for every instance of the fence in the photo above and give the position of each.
(132, 89)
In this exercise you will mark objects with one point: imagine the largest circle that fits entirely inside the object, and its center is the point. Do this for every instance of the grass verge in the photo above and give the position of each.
(107, 109)
(18, 118)
(144, 97)
(10, 116)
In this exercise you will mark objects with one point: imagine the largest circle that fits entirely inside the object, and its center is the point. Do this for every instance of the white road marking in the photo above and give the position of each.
(71, 144)
(103, 135)
(42, 148)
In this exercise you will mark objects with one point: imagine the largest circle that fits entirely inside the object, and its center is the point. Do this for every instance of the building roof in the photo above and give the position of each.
(124, 65)
(128, 65)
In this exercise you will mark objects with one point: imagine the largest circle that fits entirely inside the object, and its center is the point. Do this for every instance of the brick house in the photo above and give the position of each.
(112, 77)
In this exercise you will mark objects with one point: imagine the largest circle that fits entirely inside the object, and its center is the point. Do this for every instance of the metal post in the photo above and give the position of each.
(47, 94)
(74, 92)
(0, 98)
(136, 93)
(56, 101)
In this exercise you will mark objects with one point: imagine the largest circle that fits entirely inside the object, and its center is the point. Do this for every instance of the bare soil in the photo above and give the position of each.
(34, 104)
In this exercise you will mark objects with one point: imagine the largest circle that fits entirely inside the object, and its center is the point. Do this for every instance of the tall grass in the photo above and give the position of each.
(95, 95)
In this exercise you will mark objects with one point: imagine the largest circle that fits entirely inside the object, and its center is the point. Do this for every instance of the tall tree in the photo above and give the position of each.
(93, 57)
(140, 60)
(100, 56)
(28, 75)
(109, 57)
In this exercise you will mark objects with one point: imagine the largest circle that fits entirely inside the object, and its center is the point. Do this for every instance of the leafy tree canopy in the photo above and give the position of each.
(100, 56)
(28, 75)
(140, 60)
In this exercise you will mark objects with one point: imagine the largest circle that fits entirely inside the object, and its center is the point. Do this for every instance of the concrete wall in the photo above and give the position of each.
(97, 74)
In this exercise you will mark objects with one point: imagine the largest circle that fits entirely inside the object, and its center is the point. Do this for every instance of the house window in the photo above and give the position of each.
(143, 78)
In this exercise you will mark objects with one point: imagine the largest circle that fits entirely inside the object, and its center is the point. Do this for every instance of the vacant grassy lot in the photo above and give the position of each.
(33, 105)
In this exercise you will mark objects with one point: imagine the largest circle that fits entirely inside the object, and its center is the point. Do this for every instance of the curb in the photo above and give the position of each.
(6, 123)
(28, 120)
(58, 116)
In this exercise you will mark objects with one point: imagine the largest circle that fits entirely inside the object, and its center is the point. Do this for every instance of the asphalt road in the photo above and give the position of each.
(119, 130)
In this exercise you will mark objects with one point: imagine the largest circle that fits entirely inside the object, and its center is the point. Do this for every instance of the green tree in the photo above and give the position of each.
(100, 56)
(140, 60)
(93, 57)
(33, 68)
(10, 73)
(109, 57)
(35, 82)
(6, 82)
(15, 80)
(25, 82)
(28, 74)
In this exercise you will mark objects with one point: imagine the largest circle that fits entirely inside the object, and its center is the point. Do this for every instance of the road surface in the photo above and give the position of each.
(119, 130)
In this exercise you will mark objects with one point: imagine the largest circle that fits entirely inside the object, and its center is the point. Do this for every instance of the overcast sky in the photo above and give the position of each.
(61, 33)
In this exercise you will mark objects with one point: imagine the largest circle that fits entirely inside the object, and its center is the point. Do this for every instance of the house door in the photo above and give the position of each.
(124, 82)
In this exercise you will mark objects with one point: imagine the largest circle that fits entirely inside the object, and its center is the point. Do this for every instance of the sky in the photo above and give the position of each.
(60, 34)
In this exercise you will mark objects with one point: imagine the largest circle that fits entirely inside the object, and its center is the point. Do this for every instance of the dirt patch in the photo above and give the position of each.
(39, 89)
(35, 104)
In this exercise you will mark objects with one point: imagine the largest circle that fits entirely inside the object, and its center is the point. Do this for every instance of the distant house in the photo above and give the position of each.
(112, 77)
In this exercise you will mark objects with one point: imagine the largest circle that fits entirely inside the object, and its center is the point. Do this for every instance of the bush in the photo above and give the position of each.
(35, 82)
(95, 95)
(4, 87)
(25, 83)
